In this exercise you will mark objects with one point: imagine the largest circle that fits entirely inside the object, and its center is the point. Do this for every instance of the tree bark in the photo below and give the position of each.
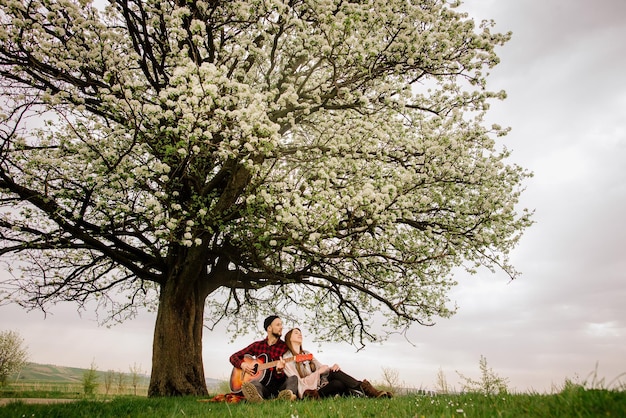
(177, 366)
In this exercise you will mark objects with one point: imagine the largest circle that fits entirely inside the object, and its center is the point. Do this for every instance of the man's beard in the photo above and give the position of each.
(276, 335)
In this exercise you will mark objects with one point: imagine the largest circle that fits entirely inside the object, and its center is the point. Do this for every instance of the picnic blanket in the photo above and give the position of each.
(225, 397)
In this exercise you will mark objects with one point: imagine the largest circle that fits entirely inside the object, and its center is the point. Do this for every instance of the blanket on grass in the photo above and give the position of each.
(226, 397)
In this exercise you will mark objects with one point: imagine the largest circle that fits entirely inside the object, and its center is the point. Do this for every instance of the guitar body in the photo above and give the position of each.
(260, 365)
(238, 377)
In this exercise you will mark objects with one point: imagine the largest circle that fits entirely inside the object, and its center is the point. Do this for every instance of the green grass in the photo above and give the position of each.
(591, 398)
(571, 402)
(60, 393)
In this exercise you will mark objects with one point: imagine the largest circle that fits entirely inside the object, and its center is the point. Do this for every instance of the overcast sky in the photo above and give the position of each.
(564, 75)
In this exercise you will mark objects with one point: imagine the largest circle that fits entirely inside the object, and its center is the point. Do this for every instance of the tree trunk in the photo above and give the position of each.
(177, 366)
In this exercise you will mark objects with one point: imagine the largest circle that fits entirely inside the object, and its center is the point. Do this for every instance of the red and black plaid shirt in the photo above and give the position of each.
(257, 348)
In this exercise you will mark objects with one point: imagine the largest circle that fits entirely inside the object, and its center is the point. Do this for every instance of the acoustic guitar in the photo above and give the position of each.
(238, 377)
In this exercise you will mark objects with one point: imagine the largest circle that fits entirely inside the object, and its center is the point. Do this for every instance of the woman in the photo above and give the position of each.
(317, 380)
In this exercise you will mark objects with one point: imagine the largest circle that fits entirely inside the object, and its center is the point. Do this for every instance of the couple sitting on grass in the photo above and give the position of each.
(292, 378)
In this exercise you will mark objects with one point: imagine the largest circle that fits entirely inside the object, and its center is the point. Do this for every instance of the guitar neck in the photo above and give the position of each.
(264, 366)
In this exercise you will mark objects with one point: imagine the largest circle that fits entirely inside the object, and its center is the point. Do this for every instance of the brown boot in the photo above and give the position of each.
(286, 395)
(371, 392)
(311, 394)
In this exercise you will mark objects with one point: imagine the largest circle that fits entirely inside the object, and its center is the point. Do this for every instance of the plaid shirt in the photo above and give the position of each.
(273, 353)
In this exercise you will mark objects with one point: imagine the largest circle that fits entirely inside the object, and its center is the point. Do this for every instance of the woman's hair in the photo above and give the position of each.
(288, 341)
(293, 351)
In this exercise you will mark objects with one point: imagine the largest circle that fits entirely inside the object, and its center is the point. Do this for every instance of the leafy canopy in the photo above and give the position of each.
(326, 153)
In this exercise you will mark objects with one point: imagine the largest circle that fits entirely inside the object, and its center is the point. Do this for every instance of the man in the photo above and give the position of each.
(273, 347)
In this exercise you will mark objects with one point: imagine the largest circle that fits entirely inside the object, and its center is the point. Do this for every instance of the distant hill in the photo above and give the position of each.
(48, 373)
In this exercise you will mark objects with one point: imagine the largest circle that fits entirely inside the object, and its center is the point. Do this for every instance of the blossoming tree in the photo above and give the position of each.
(226, 159)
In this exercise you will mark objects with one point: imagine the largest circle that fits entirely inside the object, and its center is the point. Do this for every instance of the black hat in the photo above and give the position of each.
(268, 321)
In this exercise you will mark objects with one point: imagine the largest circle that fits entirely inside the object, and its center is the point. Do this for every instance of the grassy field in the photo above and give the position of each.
(573, 402)
(592, 398)
(67, 382)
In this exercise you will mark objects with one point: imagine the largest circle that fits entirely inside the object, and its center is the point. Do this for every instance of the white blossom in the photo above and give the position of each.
(328, 141)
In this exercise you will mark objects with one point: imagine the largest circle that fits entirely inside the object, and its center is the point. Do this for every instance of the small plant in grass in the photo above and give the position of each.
(489, 383)
(121, 382)
(135, 376)
(391, 380)
(224, 387)
(90, 380)
(108, 381)
(593, 381)
(441, 385)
